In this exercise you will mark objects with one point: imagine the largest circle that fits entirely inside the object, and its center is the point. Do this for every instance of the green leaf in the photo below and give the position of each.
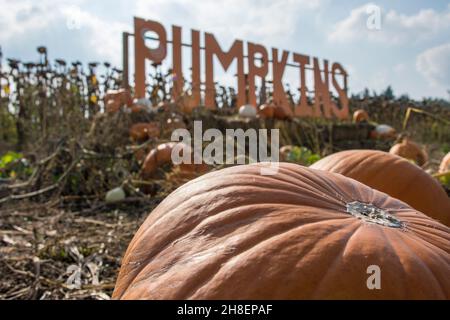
(303, 156)
(9, 157)
(445, 180)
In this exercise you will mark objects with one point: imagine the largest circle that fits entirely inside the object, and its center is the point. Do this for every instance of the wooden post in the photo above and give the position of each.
(125, 69)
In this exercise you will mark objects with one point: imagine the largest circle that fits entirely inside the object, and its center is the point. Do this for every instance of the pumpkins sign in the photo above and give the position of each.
(257, 59)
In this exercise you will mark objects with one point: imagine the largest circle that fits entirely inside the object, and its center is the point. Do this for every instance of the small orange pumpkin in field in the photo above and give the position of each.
(162, 155)
(173, 123)
(297, 234)
(267, 111)
(136, 108)
(140, 154)
(187, 103)
(141, 132)
(445, 164)
(157, 157)
(112, 106)
(164, 106)
(360, 115)
(280, 113)
(284, 152)
(411, 151)
(115, 99)
(393, 175)
(185, 172)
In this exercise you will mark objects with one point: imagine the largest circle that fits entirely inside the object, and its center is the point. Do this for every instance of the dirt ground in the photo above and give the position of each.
(47, 252)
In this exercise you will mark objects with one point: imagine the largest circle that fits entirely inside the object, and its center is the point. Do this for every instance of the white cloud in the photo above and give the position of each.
(104, 37)
(400, 68)
(17, 17)
(267, 21)
(24, 21)
(396, 28)
(434, 65)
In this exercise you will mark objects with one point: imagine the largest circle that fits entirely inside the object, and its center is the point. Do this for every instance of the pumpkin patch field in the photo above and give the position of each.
(94, 206)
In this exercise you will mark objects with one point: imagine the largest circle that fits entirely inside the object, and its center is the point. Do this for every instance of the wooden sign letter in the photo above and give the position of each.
(254, 70)
(303, 109)
(279, 95)
(343, 112)
(141, 52)
(177, 67)
(212, 49)
(196, 81)
(322, 91)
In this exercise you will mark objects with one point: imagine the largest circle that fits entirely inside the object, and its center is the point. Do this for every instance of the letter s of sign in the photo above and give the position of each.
(374, 281)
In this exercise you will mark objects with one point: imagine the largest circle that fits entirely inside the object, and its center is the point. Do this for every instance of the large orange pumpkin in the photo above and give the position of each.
(298, 234)
(411, 151)
(393, 175)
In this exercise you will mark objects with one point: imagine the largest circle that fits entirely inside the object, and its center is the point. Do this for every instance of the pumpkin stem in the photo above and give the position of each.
(370, 213)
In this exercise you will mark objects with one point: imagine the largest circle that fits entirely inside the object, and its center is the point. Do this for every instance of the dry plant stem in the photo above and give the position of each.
(442, 174)
(57, 283)
(43, 190)
(408, 115)
(35, 171)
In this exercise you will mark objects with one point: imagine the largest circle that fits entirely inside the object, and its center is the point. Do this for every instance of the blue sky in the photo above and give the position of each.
(410, 51)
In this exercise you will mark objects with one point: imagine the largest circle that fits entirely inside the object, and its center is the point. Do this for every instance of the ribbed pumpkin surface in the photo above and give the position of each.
(236, 234)
(394, 175)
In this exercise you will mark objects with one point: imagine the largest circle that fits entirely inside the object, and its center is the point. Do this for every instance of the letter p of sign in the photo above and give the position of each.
(142, 52)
